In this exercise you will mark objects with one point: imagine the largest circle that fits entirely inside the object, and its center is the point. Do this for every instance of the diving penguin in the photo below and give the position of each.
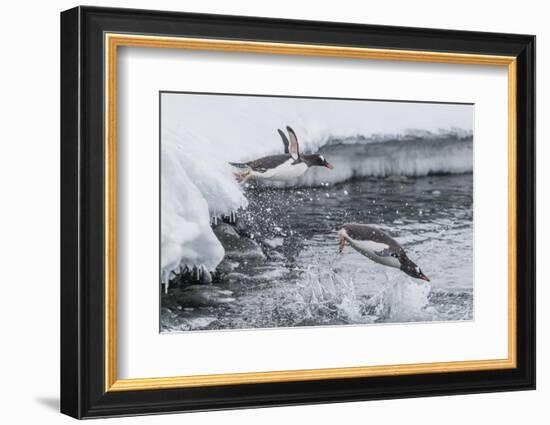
(380, 247)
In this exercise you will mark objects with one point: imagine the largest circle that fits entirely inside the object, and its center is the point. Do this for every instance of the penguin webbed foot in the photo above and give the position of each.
(242, 177)
(341, 245)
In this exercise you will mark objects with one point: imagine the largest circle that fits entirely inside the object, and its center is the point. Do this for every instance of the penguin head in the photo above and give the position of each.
(319, 161)
(413, 270)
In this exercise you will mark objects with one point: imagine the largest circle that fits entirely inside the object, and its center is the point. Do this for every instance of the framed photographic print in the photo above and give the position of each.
(261, 212)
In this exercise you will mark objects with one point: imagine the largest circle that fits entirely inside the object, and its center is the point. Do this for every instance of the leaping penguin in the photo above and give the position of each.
(380, 247)
(286, 166)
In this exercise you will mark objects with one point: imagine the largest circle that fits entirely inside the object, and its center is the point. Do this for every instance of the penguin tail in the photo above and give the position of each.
(238, 164)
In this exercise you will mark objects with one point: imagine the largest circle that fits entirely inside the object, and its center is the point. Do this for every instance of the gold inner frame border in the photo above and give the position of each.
(113, 40)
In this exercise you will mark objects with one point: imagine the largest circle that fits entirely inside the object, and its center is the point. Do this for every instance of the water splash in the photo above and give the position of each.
(403, 301)
(326, 291)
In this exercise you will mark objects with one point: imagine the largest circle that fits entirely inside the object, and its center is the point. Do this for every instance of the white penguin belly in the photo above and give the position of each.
(285, 171)
(370, 248)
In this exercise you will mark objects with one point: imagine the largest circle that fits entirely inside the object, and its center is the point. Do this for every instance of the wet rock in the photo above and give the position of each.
(275, 255)
(236, 279)
(166, 314)
(169, 320)
(237, 247)
(240, 225)
(169, 303)
(183, 323)
(270, 274)
(210, 288)
(202, 296)
(397, 179)
(226, 233)
(226, 266)
(178, 299)
(201, 322)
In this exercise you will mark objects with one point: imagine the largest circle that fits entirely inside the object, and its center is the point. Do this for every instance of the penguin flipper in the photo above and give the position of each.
(285, 140)
(294, 148)
(238, 164)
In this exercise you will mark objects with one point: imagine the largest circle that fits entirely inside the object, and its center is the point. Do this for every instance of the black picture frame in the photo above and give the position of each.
(83, 392)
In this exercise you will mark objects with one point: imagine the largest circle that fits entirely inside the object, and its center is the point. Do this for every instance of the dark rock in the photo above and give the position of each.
(198, 296)
(275, 255)
(226, 266)
(236, 278)
(167, 315)
(237, 247)
(397, 179)
(240, 225)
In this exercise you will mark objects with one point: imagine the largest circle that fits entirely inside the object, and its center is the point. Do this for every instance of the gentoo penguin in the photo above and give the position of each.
(381, 248)
(281, 167)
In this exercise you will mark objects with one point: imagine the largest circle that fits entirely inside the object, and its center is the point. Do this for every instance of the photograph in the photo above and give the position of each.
(280, 211)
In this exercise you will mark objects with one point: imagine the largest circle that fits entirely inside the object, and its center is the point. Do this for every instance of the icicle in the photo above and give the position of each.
(166, 278)
(206, 277)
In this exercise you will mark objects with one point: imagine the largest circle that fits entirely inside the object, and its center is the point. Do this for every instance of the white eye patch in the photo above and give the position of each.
(322, 157)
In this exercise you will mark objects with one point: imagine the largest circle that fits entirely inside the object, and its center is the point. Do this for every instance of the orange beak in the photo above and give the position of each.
(424, 277)
(329, 166)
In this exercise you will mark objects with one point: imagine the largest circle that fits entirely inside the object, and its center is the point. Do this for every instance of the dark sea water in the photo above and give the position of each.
(282, 267)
